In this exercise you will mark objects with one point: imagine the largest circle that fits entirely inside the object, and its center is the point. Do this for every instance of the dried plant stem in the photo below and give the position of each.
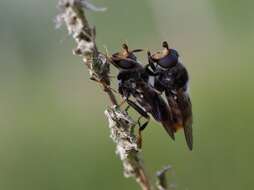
(111, 95)
(120, 123)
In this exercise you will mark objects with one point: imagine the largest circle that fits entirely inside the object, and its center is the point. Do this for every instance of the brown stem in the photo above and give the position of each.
(143, 180)
(110, 94)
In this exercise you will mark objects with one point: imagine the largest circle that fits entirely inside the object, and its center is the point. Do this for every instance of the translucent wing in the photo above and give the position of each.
(185, 106)
(162, 113)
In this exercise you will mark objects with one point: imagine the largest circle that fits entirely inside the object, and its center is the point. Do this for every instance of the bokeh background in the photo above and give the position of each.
(53, 134)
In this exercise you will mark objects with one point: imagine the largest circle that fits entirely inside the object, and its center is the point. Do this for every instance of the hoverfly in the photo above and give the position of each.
(172, 78)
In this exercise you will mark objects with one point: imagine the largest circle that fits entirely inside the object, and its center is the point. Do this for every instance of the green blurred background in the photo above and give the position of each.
(53, 134)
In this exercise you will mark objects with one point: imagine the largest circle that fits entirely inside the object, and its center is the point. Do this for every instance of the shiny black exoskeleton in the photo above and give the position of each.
(133, 82)
(129, 69)
(171, 77)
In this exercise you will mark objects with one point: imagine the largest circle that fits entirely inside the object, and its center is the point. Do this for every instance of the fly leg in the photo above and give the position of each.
(144, 114)
(141, 128)
(127, 108)
(103, 84)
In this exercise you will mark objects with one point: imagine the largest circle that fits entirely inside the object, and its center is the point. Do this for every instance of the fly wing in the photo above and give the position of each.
(185, 106)
(176, 112)
(157, 107)
(161, 113)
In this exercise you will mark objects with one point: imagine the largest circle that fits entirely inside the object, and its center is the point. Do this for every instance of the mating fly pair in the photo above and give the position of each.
(146, 85)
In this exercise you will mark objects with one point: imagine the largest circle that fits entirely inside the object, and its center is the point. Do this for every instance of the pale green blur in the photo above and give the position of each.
(53, 134)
